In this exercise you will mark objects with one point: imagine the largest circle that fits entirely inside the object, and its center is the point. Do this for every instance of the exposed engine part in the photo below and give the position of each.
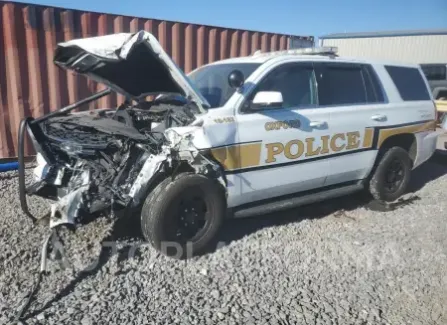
(108, 158)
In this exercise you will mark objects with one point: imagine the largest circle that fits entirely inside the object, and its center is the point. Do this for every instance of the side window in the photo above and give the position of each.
(342, 84)
(409, 83)
(295, 83)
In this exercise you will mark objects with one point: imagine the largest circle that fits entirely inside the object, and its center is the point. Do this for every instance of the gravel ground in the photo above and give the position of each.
(338, 262)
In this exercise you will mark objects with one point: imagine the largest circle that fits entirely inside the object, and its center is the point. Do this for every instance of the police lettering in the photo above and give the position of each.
(296, 148)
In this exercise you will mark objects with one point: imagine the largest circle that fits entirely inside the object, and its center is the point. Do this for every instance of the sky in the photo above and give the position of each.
(294, 17)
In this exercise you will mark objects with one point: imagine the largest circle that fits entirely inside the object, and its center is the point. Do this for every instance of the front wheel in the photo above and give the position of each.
(392, 176)
(181, 217)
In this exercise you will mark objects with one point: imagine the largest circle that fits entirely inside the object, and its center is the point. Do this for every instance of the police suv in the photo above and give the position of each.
(254, 134)
(307, 125)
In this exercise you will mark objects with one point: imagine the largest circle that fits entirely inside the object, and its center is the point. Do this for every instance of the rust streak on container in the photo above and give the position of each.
(134, 25)
(189, 49)
(6, 142)
(35, 76)
(264, 43)
(177, 50)
(255, 44)
(273, 43)
(283, 42)
(152, 27)
(104, 102)
(148, 26)
(213, 43)
(201, 46)
(234, 51)
(224, 51)
(245, 44)
(14, 83)
(72, 79)
(162, 35)
(93, 30)
(118, 26)
(5, 139)
(53, 73)
(89, 86)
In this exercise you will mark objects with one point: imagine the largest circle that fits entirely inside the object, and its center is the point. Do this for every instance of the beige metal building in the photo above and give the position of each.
(415, 46)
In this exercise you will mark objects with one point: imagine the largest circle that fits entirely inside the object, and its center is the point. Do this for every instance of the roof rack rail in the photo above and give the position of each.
(325, 50)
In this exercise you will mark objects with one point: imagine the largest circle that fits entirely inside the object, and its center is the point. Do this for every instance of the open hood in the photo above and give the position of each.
(133, 64)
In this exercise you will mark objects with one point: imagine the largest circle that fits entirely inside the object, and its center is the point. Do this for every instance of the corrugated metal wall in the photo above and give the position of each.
(410, 49)
(31, 85)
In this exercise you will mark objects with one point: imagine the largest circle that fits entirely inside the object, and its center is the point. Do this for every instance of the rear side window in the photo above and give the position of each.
(435, 72)
(345, 84)
(409, 83)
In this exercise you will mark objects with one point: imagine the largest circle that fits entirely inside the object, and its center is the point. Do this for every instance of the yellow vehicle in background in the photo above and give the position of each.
(441, 109)
(441, 115)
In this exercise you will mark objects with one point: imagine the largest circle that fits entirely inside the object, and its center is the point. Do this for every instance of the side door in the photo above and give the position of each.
(279, 143)
(352, 94)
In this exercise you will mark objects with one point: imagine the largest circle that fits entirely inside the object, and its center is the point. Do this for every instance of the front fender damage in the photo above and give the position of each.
(180, 151)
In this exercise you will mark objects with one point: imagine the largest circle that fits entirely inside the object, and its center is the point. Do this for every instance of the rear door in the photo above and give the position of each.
(353, 96)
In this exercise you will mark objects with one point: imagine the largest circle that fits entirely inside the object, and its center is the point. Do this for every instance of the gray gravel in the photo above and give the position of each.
(338, 262)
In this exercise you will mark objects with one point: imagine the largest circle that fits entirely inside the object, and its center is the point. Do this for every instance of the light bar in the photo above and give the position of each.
(325, 50)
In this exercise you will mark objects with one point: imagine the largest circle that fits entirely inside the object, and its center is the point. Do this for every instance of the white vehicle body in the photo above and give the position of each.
(341, 142)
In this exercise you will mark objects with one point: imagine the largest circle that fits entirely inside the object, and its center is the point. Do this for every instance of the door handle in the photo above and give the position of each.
(379, 117)
(317, 124)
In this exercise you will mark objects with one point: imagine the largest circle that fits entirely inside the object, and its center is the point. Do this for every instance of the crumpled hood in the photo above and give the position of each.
(133, 64)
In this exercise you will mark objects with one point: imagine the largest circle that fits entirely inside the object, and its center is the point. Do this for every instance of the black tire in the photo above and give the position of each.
(160, 216)
(380, 183)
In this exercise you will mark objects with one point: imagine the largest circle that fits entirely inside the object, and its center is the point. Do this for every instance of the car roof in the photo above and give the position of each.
(283, 56)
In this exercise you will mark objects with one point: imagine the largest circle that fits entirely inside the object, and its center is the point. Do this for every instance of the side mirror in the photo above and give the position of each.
(236, 79)
(267, 99)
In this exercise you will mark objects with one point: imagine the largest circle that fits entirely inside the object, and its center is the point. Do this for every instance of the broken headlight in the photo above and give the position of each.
(42, 170)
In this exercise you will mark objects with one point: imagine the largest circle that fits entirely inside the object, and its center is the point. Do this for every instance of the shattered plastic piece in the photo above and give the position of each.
(42, 168)
(67, 208)
(150, 167)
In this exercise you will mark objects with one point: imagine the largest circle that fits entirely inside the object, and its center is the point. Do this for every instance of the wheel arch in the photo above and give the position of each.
(406, 141)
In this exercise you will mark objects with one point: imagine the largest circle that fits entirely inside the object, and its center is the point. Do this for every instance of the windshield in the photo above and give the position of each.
(212, 81)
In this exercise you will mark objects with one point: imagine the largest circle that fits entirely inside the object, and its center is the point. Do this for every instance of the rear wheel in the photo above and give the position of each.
(181, 217)
(392, 176)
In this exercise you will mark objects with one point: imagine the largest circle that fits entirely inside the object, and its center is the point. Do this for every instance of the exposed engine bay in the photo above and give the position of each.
(97, 160)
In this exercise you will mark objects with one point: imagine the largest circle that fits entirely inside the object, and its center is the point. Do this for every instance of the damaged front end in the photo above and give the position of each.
(88, 162)
(91, 161)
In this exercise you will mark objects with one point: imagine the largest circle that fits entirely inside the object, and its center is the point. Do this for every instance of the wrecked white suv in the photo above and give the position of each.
(238, 137)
